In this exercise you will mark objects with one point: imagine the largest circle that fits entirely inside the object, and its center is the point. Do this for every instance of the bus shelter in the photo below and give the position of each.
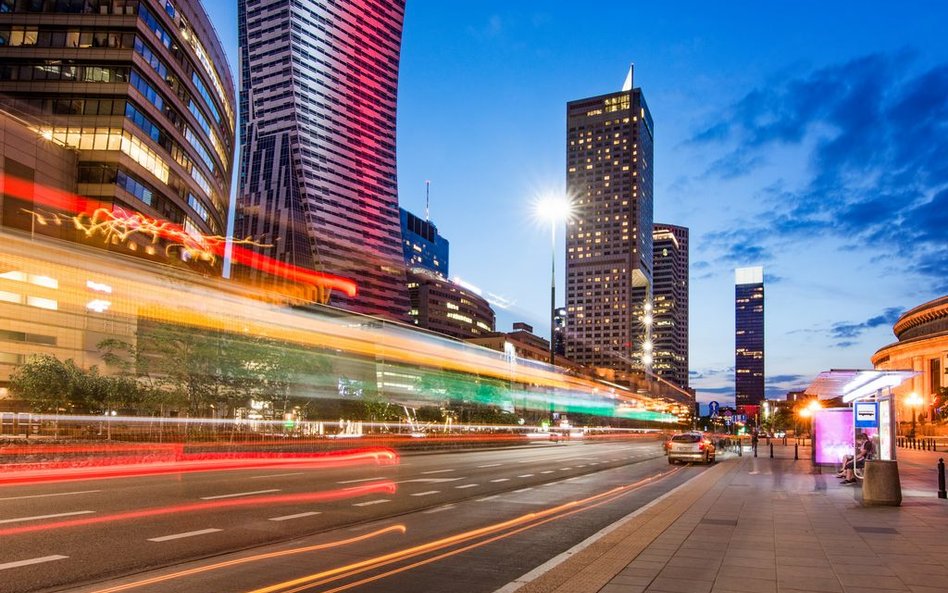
(869, 408)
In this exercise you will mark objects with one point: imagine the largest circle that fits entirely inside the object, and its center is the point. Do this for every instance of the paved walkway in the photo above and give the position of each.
(769, 526)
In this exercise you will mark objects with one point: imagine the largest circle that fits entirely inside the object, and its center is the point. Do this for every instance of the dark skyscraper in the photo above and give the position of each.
(317, 175)
(609, 239)
(670, 303)
(422, 246)
(749, 336)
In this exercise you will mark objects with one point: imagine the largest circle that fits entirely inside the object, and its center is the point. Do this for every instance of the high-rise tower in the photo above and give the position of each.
(749, 336)
(670, 299)
(317, 174)
(609, 238)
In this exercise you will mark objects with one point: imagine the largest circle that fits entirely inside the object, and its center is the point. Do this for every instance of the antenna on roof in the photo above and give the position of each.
(427, 200)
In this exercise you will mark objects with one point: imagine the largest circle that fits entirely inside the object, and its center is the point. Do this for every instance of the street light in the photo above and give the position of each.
(556, 209)
(914, 400)
(807, 413)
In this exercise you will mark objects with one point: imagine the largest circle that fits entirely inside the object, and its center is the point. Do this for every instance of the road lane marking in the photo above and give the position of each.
(523, 490)
(485, 499)
(40, 560)
(238, 494)
(276, 475)
(439, 509)
(549, 471)
(500, 480)
(491, 465)
(38, 517)
(465, 486)
(167, 538)
(526, 476)
(428, 493)
(357, 481)
(583, 465)
(437, 471)
(563, 469)
(371, 502)
(46, 495)
(429, 480)
(296, 516)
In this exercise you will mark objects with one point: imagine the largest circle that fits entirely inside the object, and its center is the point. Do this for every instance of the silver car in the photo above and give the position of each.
(690, 446)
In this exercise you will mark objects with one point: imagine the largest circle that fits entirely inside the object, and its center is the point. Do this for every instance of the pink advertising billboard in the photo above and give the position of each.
(832, 434)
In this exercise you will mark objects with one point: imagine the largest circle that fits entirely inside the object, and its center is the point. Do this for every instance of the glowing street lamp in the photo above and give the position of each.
(557, 209)
(914, 400)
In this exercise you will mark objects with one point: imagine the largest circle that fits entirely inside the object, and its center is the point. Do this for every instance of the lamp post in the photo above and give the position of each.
(557, 210)
(914, 400)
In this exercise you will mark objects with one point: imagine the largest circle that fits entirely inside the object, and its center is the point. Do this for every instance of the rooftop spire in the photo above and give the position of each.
(627, 85)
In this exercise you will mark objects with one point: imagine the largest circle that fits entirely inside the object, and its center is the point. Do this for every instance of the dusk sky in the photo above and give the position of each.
(810, 138)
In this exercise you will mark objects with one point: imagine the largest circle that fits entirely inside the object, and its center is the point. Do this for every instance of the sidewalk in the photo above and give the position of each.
(765, 525)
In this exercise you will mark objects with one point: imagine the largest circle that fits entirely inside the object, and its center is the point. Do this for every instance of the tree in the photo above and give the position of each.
(47, 384)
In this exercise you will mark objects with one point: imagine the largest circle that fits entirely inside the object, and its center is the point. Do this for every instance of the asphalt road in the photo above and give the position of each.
(461, 521)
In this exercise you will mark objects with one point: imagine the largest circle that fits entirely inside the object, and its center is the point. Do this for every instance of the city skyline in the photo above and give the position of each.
(745, 147)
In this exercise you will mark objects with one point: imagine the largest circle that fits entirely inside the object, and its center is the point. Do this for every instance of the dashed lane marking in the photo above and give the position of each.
(166, 538)
(296, 516)
(48, 495)
(39, 560)
(238, 494)
(427, 493)
(465, 486)
(39, 517)
(437, 471)
(500, 480)
(371, 502)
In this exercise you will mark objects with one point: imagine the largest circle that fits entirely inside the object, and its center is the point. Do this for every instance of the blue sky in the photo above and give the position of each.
(809, 138)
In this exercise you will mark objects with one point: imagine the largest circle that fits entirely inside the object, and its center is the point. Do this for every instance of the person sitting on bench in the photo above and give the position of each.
(863, 453)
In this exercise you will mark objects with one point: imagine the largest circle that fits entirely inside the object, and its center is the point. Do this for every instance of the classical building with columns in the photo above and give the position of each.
(922, 346)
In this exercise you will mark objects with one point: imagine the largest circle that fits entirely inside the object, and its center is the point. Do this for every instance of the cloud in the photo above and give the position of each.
(845, 333)
(874, 132)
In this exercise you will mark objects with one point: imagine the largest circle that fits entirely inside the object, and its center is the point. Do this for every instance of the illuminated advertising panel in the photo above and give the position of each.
(832, 434)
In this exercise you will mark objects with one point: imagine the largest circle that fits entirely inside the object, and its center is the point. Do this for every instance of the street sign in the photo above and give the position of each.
(867, 414)
(713, 408)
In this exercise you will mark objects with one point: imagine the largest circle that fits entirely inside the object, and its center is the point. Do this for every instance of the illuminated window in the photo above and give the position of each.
(42, 303)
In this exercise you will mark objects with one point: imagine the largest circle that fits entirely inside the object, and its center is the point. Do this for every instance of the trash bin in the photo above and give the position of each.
(880, 484)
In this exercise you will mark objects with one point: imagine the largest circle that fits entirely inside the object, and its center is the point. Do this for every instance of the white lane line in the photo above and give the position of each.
(40, 560)
(583, 465)
(491, 465)
(371, 502)
(439, 509)
(236, 494)
(296, 516)
(549, 471)
(276, 475)
(563, 469)
(47, 495)
(526, 476)
(523, 490)
(430, 480)
(168, 538)
(465, 486)
(428, 493)
(437, 471)
(38, 517)
(500, 480)
(485, 499)
(357, 481)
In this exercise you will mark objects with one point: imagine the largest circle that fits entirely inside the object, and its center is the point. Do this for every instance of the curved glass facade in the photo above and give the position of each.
(319, 84)
(140, 89)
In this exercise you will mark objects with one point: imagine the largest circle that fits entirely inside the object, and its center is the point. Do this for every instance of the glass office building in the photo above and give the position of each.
(318, 190)
(140, 92)
(749, 336)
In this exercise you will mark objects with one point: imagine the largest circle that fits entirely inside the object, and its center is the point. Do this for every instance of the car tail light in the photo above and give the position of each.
(701, 446)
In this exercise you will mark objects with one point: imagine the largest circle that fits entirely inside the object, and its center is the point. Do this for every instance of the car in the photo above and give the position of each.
(691, 446)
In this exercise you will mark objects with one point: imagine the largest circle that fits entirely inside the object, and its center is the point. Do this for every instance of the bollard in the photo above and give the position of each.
(941, 478)
(796, 452)
(771, 450)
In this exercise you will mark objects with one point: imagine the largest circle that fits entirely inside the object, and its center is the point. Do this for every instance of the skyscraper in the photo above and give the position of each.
(422, 246)
(140, 92)
(670, 303)
(609, 239)
(318, 90)
(749, 336)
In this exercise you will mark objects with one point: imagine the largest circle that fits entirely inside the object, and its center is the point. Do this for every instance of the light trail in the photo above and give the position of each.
(497, 530)
(205, 462)
(385, 486)
(255, 558)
